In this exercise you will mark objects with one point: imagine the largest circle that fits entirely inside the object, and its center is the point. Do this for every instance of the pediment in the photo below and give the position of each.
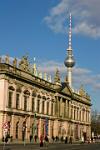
(66, 89)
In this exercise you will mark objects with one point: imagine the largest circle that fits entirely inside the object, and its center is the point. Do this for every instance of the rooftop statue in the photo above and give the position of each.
(7, 59)
(0, 59)
(82, 91)
(15, 62)
(57, 77)
(24, 64)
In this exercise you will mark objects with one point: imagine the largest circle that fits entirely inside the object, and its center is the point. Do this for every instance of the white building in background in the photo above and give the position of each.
(31, 104)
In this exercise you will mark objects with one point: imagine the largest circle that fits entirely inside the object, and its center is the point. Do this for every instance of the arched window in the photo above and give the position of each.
(64, 108)
(47, 107)
(25, 102)
(52, 108)
(10, 99)
(38, 105)
(18, 91)
(56, 106)
(74, 113)
(71, 111)
(33, 103)
(80, 116)
(43, 104)
(10, 96)
(83, 114)
(26, 96)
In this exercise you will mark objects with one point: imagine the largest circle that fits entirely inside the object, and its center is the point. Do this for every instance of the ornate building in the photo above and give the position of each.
(31, 104)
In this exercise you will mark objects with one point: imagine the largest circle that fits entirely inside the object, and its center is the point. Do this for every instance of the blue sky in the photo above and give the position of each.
(40, 28)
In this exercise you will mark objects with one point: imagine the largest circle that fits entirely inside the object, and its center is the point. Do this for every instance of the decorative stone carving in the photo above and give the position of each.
(45, 76)
(49, 78)
(82, 91)
(7, 59)
(11, 88)
(24, 64)
(66, 79)
(34, 92)
(0, 59)
(18, 89)
(57, 77)
(15, 62)
(40, 75)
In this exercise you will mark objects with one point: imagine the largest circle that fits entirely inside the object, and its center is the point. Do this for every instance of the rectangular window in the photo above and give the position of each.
(10, 99)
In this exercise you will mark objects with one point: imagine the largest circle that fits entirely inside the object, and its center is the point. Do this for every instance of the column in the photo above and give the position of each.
(61, 107)
(28, 132)
(55, 127)
(57, 107)
(49, 128)
(73, 112)
(66, 109)
(85, 115)
(45, 107)
(78, 114)
(2, 120)
(50, 106)
(41, 105)
(21, 100)
(4, 93)
(81, 115)
(69, 106)
(35, 103)
(54, 108)
(30, 102)
(12, 131)
(39, 128)
(89, 117)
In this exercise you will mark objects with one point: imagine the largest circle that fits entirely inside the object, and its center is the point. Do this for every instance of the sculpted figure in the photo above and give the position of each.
(15, 62)
(7, 59)
(24, 64)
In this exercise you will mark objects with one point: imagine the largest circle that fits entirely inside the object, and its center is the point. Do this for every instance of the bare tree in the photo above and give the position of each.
(95, 122)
